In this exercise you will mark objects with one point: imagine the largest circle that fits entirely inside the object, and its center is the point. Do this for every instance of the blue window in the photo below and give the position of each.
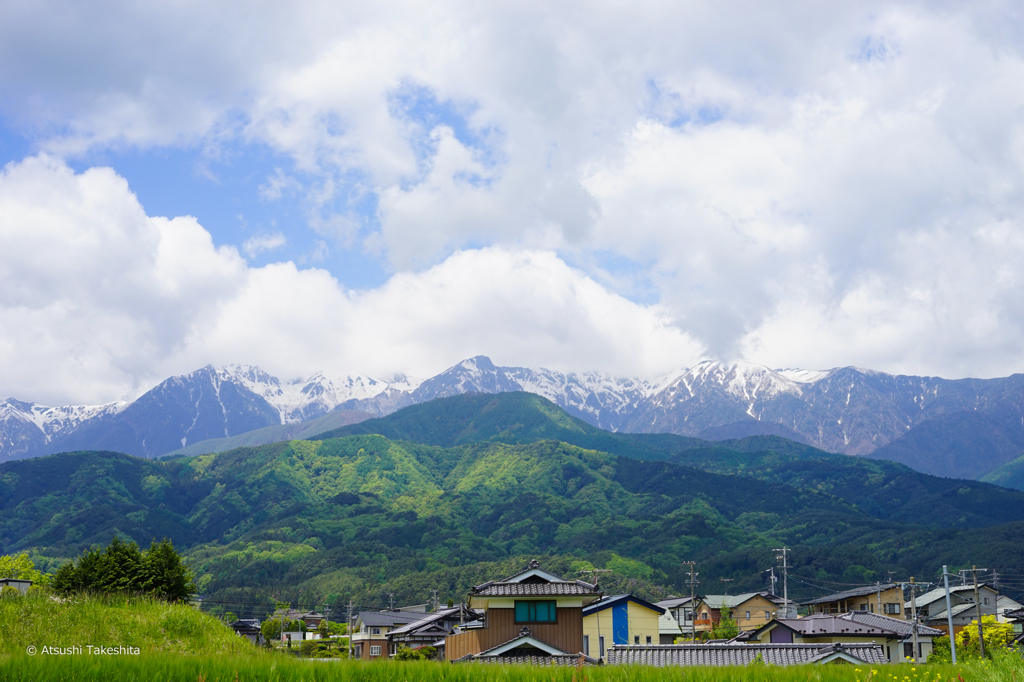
(535, 612)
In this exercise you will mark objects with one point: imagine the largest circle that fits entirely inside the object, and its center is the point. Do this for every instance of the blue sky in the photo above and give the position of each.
(392, 188)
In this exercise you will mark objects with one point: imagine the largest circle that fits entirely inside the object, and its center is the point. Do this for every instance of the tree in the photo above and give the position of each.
(121, 567)
(324, 628)
(21, 566)
(166, 574)
(726, 627)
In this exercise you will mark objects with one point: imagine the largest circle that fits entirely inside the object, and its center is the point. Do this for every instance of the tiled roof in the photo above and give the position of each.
(738, 654)
(1016, 614)
(530, 659)
(576, 588)
(847, 594)
(854, 623)
(733, 600)
(673, 602)
(428, 619)
(388, 618)
(940, 593)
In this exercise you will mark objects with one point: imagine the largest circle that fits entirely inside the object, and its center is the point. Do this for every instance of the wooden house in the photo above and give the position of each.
(370, 632)
(528, 616)
(750, 610)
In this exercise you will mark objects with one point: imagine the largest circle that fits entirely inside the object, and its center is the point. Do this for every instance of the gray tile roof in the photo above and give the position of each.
(848, 594)
(388, 618)
(608, 602)
(855, 623)
(575, 588)
(738, 654)
(531, 659)
(428, 619)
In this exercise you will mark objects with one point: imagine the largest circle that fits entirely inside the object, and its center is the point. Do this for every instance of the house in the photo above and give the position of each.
(745, 654)
(750, 611)
(525, 616)
(430, 630)
(1016, 618)
(884, 599)
(621, 619)
(16, 584)
(931, 606)
(669, 630)
(311, 619)
(369, 638)
(250, 629)
(894, 635)
(1005, 605)
(682, 610)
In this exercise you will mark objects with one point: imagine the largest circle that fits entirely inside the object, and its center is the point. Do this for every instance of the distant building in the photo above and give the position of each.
(370, 631)
(931, 606)
(886, 600)
(750, 610)
(430, 629)
(894, 635)
(16, 584)
(250, 629)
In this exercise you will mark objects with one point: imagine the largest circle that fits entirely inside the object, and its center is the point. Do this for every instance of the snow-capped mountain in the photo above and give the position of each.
(207, 403)
(849, 410)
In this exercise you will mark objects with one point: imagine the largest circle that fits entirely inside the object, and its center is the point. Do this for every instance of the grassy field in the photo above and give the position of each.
(152, 626)
(279, 668)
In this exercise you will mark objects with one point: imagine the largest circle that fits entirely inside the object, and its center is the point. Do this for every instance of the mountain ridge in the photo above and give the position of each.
(848, 410)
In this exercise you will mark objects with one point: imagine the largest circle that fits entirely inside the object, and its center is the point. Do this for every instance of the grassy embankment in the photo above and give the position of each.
(178, 643)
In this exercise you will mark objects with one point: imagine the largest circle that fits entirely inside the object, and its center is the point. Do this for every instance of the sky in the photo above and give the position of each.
(391, 187)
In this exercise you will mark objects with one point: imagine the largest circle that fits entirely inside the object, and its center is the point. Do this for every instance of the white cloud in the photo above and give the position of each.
(827, 184)
(99, 300)
(261, 243)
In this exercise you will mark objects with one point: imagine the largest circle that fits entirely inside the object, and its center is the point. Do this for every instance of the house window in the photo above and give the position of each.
(600, 645)
(908, 650)
(871, 607)
(536, 612)
(704, 616)
(636, 639)
(586, 645)
(688, 615)
(892, 608)
(359, 650)
(375, 650)
(986, 601)
(648, 640)
(374, 631)
(748, 615)
(767, 616)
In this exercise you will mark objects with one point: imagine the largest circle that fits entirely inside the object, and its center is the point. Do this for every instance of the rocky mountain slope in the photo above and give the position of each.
(978, 422)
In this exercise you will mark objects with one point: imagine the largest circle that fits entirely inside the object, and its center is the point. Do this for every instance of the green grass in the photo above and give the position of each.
(279, 668)
(40, 619)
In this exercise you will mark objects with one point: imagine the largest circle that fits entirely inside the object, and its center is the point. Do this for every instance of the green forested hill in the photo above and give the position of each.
(363, 515)
(880, 488)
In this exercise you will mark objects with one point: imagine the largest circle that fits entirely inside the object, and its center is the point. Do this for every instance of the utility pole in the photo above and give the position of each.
(785, 577)
(692, 582)
(913, 612)
(977, 603)
(350, 629)
(773, 578)
(391, 601)
(878, 584)
(949, 614)
(435, 600)
(595, 572)
(726, 587)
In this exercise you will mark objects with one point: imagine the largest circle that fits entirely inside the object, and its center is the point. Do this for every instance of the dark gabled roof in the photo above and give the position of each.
(940, 593)
(849, 594)
(429, 619)
(608, 602)
(739, 654)
(388, 618)
(673, 602)
(575, 588)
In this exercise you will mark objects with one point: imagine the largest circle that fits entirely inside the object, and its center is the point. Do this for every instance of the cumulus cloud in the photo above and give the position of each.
(823, 184)
(99, 300)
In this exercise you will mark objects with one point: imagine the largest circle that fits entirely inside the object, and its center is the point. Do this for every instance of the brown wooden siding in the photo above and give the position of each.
(565, 634)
